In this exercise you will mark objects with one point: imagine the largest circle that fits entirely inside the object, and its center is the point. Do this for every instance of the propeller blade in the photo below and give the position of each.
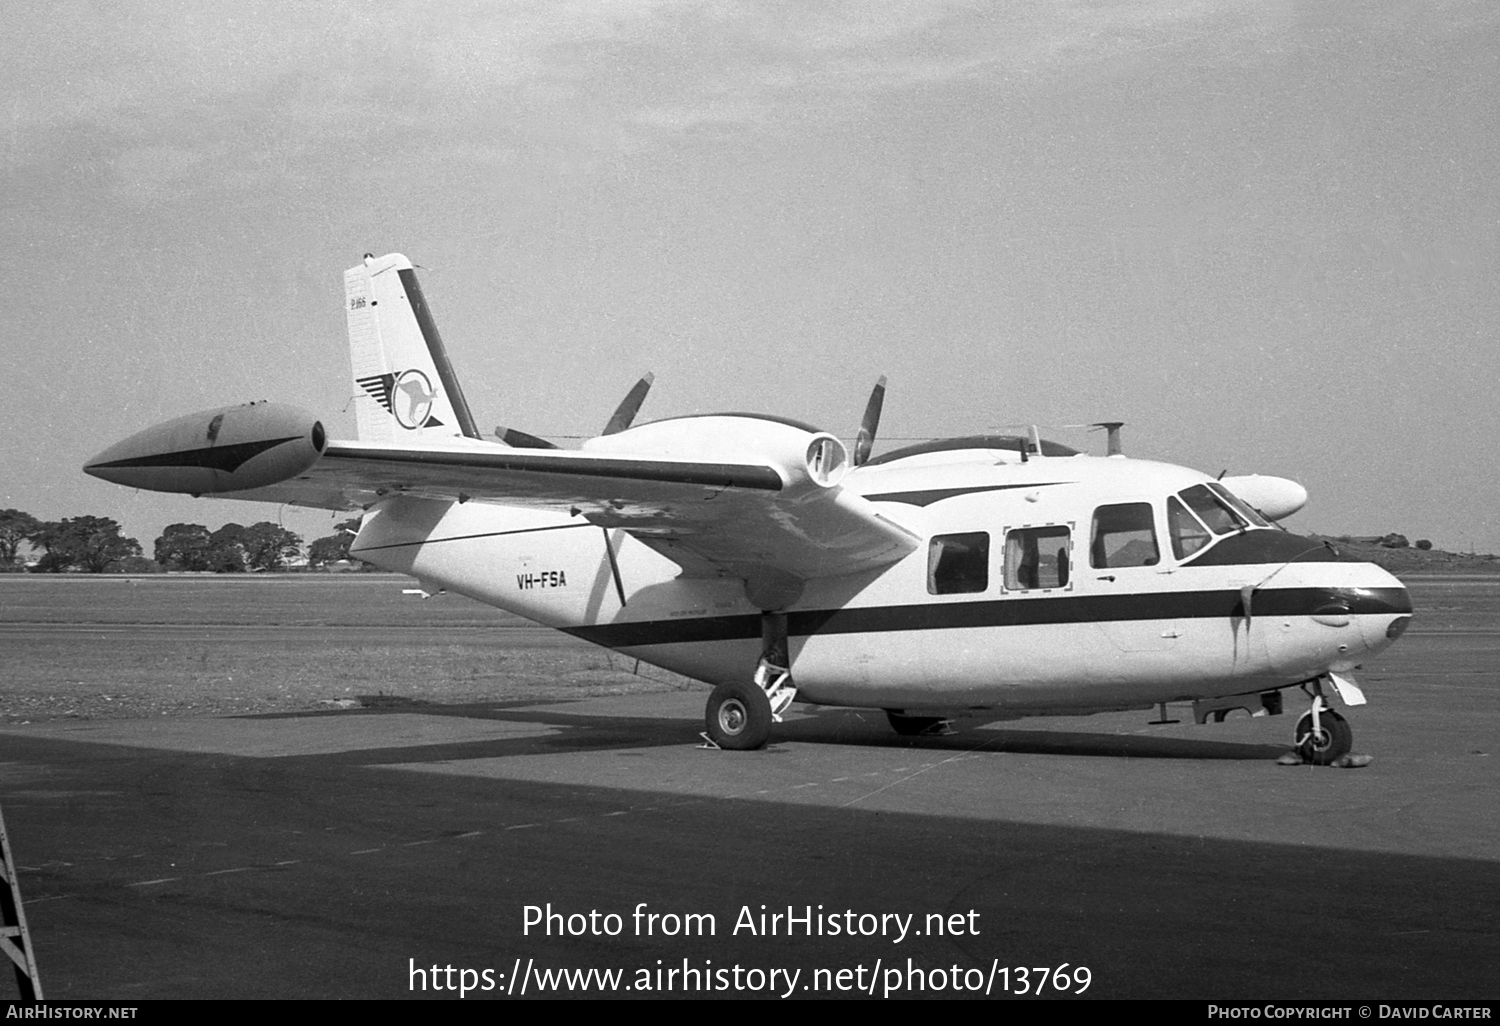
(521, 440)
(629, 406)
(865, 441)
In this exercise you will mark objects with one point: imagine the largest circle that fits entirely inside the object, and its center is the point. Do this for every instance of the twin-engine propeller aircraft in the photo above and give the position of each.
(987, 577)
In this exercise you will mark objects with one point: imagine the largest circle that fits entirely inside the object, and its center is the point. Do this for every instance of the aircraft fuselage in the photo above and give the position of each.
(963, 624)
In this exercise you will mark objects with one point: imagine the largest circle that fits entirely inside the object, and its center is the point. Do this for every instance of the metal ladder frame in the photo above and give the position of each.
(15, 938)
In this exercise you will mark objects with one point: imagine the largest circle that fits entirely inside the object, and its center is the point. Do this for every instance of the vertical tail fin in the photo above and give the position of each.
(404, 385)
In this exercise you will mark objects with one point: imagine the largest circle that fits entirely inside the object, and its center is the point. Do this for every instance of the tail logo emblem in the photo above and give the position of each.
(411, 399)
(407, 396)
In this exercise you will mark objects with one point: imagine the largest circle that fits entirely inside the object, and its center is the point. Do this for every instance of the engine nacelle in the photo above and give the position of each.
(230, 449)
(1275, 497)
(806, 459)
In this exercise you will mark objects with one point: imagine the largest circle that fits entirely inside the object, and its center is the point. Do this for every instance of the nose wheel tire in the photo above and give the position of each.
(1332, 740)
(738, 716)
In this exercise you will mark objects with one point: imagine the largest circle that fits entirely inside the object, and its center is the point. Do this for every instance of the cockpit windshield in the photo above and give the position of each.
(1217, 515)
(1217, 508)
(1239, 505)
(1188, 536)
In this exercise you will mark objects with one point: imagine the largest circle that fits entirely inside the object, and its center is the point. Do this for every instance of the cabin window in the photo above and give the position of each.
(1188, 536)
(1123, 535)
(1213, 511)
(958, 563)
(1036, 557)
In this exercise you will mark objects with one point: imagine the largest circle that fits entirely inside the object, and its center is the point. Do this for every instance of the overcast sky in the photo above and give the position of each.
(1263, 234)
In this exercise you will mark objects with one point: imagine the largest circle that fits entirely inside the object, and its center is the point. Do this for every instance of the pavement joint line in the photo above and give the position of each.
(918, 773)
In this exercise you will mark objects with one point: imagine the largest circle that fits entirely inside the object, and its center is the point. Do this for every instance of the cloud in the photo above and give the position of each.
(275, 73)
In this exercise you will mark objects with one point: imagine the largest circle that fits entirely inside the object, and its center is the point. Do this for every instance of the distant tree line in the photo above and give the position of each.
(98, 545)
(1388, 541)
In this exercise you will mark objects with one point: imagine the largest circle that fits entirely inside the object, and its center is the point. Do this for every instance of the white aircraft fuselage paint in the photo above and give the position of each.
(1109, 638)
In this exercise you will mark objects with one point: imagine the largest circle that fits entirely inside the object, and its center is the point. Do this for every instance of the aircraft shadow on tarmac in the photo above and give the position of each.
(580, 731)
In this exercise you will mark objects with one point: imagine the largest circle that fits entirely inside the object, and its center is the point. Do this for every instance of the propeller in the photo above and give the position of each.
(623, 416)
(865, 441)
(629, 406)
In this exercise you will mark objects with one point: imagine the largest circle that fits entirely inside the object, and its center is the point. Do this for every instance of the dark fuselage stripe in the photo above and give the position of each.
(1060, 609)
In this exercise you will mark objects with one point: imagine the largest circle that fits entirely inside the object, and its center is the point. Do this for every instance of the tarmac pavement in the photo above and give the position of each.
(348, 853)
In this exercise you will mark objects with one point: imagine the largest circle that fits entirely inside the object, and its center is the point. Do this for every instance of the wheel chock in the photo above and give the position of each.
(1350, 761)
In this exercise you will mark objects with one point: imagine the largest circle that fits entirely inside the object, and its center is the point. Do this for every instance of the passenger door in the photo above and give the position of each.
(1126, 570)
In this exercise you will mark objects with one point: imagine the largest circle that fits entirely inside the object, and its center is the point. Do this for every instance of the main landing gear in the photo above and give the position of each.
(739, 713)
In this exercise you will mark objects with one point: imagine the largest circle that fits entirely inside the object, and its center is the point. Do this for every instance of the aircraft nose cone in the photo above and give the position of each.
(1387, 607)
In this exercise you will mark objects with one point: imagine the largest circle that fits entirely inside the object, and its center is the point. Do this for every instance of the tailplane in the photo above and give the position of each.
(405, 388)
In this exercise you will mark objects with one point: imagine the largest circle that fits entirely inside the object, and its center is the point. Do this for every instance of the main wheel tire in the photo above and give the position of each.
(912, 726)
(1323, 747)
(738, 716)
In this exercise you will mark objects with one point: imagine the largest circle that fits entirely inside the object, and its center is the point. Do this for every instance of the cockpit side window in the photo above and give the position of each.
(1216, 515)
(1188, 535)
(1037, 557)
(1123, 535)
(958, 563)
(1242, 507)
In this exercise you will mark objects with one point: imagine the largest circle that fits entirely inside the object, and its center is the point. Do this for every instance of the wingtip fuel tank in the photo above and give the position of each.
(229, 449)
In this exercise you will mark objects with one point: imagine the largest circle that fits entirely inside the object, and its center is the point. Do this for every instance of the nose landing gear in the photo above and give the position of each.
(1323, 737)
